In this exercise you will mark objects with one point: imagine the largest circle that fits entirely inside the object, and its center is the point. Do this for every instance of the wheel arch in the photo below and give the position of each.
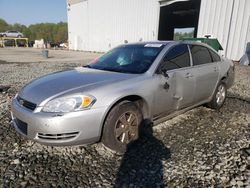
(139, 101)
(223, 79)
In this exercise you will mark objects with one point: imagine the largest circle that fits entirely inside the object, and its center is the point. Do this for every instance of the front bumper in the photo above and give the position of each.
(74, 128)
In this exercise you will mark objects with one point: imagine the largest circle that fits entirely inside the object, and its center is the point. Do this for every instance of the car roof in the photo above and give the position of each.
(148, 42)
(164, 43)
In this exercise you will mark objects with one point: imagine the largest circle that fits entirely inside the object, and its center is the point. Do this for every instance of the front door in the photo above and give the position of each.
(175, 82)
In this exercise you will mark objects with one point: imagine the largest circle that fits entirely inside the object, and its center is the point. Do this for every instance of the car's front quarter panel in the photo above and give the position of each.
(142, 86)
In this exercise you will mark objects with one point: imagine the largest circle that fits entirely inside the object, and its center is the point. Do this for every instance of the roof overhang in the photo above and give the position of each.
(169, 2)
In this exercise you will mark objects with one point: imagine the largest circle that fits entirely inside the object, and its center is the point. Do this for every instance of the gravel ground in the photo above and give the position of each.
(201, 148)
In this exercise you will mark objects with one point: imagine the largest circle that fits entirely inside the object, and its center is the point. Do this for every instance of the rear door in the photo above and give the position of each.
(205, 70)
(176, 88)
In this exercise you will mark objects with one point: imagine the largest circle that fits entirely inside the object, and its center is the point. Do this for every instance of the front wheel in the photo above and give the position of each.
(122, 126)
(218, 97)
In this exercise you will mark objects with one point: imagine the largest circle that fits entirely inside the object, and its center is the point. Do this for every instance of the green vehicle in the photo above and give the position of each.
(213, 42)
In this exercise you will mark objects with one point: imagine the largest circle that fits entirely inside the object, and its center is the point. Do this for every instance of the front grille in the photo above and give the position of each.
(26, 104)
(62, 136)
(22, 126)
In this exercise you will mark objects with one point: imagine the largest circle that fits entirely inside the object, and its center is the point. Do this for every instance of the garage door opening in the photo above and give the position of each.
(179, 15)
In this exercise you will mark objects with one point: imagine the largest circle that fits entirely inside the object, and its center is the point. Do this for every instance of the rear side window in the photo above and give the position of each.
(177, 57)
(215, 56)
(200, 55)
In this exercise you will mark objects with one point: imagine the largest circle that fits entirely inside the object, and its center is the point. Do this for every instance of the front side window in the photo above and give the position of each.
(177, 57)
(200, 55)
(135, 59)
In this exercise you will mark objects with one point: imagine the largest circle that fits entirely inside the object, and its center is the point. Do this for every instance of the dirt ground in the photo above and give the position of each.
(201, 148)
(31, 55)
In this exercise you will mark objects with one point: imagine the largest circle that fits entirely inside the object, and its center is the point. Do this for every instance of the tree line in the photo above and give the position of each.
(181, 35)
(53, 32)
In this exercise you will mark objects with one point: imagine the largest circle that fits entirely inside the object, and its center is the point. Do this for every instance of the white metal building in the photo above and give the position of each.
(98, 25)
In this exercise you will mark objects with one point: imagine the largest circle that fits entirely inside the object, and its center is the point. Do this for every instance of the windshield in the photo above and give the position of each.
(133, 59)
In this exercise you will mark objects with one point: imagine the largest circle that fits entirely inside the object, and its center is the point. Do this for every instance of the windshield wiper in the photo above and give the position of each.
(87, 66)
(108, 69)
(121, 71)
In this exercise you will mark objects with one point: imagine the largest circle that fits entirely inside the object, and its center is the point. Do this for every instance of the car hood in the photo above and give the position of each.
(77, 80)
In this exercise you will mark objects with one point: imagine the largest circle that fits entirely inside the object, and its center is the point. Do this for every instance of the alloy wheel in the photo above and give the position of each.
(126, 128)
(221, 94)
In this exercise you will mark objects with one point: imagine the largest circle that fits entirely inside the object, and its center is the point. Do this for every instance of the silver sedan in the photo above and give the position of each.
(111, 98)
(12, 34)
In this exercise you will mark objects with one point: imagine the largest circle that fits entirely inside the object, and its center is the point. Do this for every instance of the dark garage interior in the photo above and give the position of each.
(184, 14)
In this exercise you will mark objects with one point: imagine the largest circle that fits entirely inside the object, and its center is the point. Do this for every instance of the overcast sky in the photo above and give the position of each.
(33, 11)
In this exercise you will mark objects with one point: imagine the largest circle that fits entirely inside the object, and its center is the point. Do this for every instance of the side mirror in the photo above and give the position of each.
(163, 71)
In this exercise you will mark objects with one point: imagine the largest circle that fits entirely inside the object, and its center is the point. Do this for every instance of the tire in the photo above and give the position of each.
(4, 35)
(119, 130)
(218, 97)
(19, 36)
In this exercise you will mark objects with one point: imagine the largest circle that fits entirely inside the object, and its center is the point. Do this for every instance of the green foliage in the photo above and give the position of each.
(180, 35)
(55, 32)
(3, 25)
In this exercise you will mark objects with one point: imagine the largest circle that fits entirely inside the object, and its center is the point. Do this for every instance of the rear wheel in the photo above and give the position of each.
(122, 126)
(218, 97)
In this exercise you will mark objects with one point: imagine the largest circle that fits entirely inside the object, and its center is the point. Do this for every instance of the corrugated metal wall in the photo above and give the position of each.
(229, 21)
(77, 26)
(98, 25)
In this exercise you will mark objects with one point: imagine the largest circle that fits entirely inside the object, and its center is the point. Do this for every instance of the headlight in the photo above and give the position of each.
(69, 104)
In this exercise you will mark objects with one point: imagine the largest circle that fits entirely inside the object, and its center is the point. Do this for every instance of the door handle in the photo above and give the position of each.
(189, 75)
